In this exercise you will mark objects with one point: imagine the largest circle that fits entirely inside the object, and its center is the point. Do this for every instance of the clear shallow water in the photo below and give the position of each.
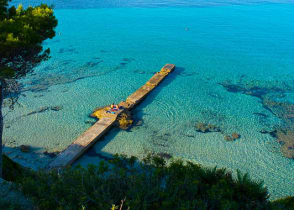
(102, 55)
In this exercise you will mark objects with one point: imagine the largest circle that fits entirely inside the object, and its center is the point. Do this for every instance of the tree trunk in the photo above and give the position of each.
(1, 123)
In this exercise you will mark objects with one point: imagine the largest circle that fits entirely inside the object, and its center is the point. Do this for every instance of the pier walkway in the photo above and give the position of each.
(107, 120)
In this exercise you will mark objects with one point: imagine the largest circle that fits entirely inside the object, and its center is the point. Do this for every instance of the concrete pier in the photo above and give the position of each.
(107, 120)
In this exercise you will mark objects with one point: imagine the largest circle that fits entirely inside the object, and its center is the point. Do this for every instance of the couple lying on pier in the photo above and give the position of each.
(114, 108)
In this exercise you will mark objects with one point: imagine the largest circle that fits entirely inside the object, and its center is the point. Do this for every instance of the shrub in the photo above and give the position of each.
(150, 184)
(5, 204)
(283, 203)
(11, 170)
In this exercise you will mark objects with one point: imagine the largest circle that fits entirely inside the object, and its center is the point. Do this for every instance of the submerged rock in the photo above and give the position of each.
(283, 110)
(286, 139)
(40, 110)
(124, 120)
(232, 137)
(56, 108)
(228, 138)
(51, 154)
(271, 95)
(206, 128)
(257, 88)
(236, 136)
(25, 148)
(44, 109)
(273, 133)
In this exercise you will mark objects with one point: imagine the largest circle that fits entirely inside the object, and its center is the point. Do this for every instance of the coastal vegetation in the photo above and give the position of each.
(126, 183)
(22, 32)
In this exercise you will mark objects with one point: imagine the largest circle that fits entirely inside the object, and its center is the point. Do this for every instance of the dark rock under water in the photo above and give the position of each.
(271, 95)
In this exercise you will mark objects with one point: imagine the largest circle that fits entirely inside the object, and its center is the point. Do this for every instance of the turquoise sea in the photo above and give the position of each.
(230, 55)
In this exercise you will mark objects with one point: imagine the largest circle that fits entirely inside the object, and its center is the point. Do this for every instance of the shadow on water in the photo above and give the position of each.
(29, 156)
(137, 111)
(96, 150)
(166, 82)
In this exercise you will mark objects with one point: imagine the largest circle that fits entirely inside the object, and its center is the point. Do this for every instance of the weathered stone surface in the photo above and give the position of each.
(82, 143)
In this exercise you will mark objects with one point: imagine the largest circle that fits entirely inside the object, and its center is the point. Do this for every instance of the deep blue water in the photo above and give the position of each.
(79, 4)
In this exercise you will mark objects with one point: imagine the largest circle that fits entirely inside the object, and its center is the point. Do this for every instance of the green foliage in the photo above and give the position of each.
(7, 205)
(148, 185)
(22, 32)
(7, 72)
(10, 197)
(12, 171)
(284, 203)
(3, 9)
